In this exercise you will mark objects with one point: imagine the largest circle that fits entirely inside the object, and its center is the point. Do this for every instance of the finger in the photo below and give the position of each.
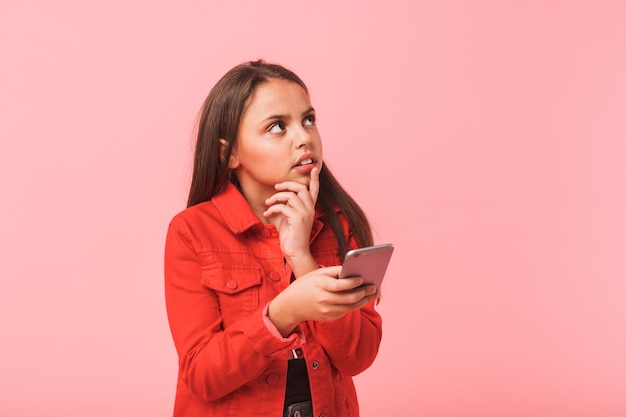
(288, 213)
(332, 271)
(297, 189)
(344, 284)
(363, 295)
(314, 185)
(286, 197)
(363, 302)
(354, 298)
(290, 206)
(369, 289)
(292, 186)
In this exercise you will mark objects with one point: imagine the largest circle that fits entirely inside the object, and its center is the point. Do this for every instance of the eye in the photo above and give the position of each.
(309, 120)
(276, 127)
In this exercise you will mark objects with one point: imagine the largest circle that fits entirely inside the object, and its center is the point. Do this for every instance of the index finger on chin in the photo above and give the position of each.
(314, 185)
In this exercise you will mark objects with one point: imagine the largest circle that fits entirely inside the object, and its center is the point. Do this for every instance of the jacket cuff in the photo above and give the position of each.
(267, 340)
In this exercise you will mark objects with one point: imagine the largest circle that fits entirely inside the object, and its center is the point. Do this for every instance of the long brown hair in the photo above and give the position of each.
(219, 119)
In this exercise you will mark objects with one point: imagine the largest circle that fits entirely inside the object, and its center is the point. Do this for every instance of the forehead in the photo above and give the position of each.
(277, 97)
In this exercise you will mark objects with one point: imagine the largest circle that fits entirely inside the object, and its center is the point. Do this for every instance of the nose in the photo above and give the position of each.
(303, 138)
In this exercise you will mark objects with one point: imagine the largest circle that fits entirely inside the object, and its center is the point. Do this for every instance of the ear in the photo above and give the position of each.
(233, 162)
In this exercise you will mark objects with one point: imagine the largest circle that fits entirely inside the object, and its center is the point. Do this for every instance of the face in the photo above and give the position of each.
(277, 139)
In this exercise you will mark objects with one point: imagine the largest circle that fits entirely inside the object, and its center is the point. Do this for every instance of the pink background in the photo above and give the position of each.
(486, 139)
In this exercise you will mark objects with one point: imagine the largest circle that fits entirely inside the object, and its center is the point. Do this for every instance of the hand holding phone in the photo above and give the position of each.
(370, 263)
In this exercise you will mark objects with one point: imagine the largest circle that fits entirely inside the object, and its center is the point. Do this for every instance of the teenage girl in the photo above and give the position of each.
(261, 324)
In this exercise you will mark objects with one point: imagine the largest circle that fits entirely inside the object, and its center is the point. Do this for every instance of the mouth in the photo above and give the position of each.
(307, 159)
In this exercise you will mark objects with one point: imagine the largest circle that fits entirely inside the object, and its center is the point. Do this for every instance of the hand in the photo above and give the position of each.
(318, 295)
(295, 203)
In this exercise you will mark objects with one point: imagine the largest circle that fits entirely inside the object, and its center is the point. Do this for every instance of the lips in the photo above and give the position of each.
(305, 160)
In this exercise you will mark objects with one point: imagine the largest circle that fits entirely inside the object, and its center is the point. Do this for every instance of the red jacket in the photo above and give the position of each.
(222, 267)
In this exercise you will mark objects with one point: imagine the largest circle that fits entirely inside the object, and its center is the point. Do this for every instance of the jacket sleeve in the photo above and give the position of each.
(352, 341)
(212, 361)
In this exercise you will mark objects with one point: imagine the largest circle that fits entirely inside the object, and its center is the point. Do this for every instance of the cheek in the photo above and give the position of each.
(317, 141)
(252, 155)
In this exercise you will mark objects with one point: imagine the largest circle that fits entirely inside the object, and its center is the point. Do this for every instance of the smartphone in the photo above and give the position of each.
(370, 263)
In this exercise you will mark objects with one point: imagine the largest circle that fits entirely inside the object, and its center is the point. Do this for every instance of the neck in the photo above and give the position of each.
(256, 199)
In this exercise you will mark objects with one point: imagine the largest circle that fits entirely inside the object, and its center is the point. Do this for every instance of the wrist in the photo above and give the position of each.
(301, 265)
(279, 315)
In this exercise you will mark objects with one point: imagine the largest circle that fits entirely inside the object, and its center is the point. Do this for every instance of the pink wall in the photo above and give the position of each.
(486, 139)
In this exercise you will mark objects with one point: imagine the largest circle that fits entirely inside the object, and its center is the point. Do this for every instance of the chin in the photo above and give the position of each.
(304, 181)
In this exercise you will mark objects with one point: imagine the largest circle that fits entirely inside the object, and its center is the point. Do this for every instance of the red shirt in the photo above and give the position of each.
(222, 268)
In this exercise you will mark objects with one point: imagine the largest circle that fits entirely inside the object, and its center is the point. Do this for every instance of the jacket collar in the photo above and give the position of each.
(239, 217)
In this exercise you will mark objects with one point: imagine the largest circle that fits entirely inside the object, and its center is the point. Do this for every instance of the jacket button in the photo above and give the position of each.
(316, 364)
(266, 233)
(275, 276)
(232, 284)
(272, 379)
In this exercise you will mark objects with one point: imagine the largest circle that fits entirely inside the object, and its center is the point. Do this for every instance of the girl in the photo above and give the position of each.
(261, 324)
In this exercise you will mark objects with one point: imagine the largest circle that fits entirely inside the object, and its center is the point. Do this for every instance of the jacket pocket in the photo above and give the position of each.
(236, 287)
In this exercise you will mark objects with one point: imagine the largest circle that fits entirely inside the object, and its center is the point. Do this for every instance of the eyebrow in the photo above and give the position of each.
(283, 116)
